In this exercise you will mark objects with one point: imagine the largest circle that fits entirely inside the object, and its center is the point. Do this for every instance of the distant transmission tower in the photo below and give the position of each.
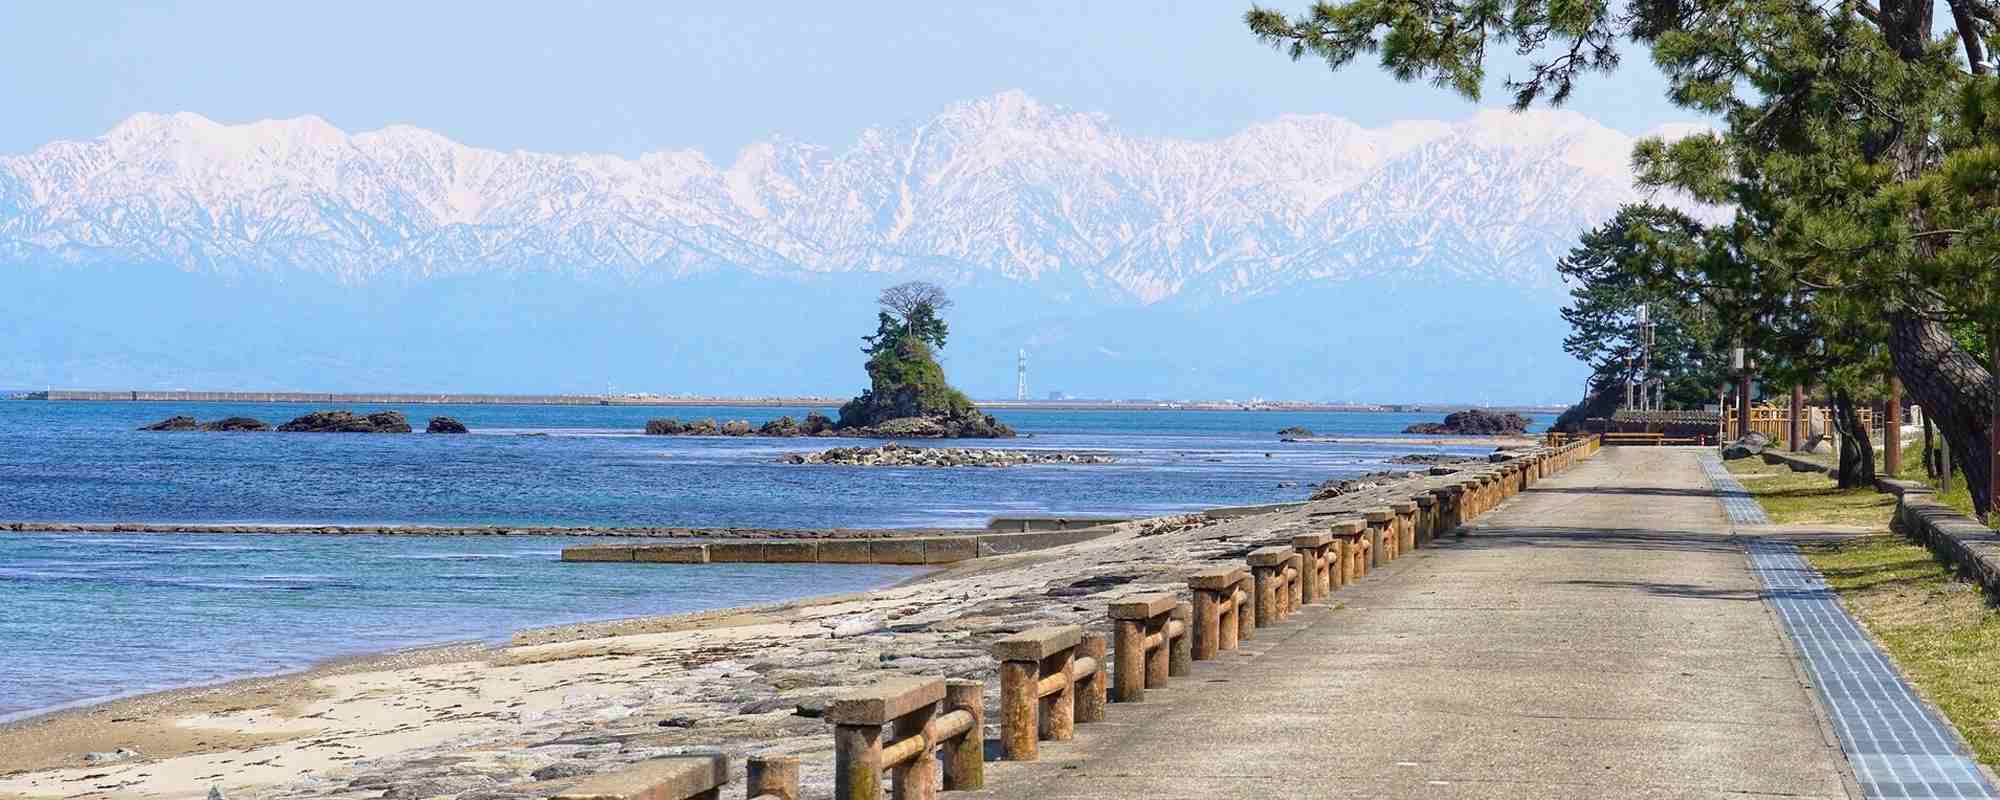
(1021, 376)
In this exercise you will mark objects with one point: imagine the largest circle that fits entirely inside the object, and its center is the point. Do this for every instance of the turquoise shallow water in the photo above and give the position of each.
(87, 616)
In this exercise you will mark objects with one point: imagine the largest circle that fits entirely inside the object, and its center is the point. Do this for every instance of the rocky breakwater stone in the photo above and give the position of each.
(1473, 423)
(444, 425)
(347, 422)
(895, 455)
(227, 424)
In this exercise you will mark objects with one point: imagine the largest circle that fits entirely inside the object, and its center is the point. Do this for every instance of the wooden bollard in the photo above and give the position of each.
(1427, 517)
(1381, 539)
(908, 706)
(1450, 497)
(1352, 538)
(1180, 649)
(1093, 691)
(1215, 610)
(1039, 672)
(1267, 566)
(1295, 583)
(1246, 607)
(1406, 525)
(1317, 572)
(773, 777)
(1142, 638)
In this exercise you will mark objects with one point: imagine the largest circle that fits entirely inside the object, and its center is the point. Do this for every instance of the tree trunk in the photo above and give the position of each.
(1954, 389)
(1932, 469)
(1857, 453)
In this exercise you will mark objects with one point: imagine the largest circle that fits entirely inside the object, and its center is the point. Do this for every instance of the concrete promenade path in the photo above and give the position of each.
(1599, 636)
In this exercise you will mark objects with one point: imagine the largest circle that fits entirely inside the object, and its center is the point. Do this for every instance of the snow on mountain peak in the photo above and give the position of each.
(1002, 184)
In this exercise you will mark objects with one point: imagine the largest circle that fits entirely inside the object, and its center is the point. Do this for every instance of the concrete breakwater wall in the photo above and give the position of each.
(379, 398)
(905, 550)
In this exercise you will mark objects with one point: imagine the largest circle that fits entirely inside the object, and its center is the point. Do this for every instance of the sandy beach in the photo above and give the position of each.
(555, 704)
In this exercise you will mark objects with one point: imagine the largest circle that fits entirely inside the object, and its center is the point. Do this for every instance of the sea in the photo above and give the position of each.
(86, 617)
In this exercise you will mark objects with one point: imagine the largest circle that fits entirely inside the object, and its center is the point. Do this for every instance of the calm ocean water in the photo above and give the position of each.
(95, 615)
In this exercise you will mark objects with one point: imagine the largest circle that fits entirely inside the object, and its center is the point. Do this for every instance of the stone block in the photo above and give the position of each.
(654, 779)
(598, 553)
(671, 553)
(1379, 515)
(735, 552)
(1217, 578)
(950, 549)
(896, 551)
(1036, 644)
(795, 551)
(845, 551)
(1143, 606)
(884, 701)
(1312, 540)
(1272, 556)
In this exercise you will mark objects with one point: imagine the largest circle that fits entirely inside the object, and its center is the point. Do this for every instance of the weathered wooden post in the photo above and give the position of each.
(1180, 647)
(1352, 535)
(1246, 607)
(1427, 517)
(1381, 541)
(1406, 525)
(1037, 688)
(771, 778)
(1267, 565)
(1143, 637)
(1091, 672)
(1295, 582)
(1215, 610)
(965, 755)
(909, 707)
(1317, 577)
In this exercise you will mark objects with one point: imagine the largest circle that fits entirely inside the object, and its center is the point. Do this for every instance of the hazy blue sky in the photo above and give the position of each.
(636, 77)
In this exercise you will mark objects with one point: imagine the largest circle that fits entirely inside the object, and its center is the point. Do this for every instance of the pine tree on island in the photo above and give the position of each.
(907, 393)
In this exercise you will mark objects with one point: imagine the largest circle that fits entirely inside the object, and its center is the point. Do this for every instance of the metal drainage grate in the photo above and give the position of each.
(1897, 745)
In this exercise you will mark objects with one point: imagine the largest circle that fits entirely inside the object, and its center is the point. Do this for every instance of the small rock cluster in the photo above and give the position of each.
(315, 422)
(975, 426)
(815, 424)
(896, 455)
(1295, 433)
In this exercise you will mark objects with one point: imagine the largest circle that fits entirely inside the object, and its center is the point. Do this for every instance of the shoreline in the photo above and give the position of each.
(594, 696)
(581, 531)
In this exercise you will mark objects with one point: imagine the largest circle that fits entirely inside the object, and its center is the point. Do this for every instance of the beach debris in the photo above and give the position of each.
(117, 756)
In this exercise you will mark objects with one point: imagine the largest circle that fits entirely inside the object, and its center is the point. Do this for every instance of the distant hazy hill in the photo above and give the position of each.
(175, 251)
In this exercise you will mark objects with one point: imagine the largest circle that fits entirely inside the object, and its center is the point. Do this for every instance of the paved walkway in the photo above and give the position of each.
(1600, 636)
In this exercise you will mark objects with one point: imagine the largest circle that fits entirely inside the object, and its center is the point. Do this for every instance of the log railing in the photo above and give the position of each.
(1051, 678)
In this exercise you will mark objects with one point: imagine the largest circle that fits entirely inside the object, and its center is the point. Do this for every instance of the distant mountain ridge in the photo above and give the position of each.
(1000, 188)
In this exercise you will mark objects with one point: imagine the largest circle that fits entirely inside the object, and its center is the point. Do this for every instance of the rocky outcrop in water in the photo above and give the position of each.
(1474, 423)
(445, 425)
(187, 423)
(1429, 458)
(347, 422)
(895, 455)
(1295, 433)
(174, 423)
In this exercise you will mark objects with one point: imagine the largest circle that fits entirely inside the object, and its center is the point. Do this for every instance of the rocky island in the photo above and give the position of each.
(1474, 423)
(907, 395)
(896, 455)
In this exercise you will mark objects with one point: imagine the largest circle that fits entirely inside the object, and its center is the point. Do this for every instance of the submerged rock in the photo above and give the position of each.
(445, 425)
(895, 455)
(347, 422)
(1295, 433)
(236, 424)
(174, 423)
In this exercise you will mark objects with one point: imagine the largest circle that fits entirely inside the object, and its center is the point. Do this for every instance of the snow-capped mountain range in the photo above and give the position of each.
(1001, 186)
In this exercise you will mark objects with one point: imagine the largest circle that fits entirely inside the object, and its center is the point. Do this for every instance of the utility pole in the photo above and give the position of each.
(1628, 384)
(1645, 357)
(1021, 375)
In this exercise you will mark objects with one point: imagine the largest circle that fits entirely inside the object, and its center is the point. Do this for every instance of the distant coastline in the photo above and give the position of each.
(417, 398)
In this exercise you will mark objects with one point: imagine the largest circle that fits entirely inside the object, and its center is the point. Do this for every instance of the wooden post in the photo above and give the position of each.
(1295, 583)
(772, 776)
(1246, 608)
(1797, 432)
(1093, 690)
(917, 778)
(1379, 535)
(1129, 652)
(1180, 660)
(1892, 428)
(1406, 525)
(1059, 707)
(1138, 618)
(1313, 581)
(1159, 658)
(857, 762)
(1267, 564)
(965, 757)
(1427, 515)
(1018, 680)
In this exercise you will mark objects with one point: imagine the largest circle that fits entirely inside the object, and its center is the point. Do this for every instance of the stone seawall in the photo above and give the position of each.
(905, 550)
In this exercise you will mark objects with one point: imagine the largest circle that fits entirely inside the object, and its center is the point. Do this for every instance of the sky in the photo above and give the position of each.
(631, 78)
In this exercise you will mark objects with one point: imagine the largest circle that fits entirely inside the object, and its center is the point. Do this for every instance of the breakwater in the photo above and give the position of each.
(382, 398)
